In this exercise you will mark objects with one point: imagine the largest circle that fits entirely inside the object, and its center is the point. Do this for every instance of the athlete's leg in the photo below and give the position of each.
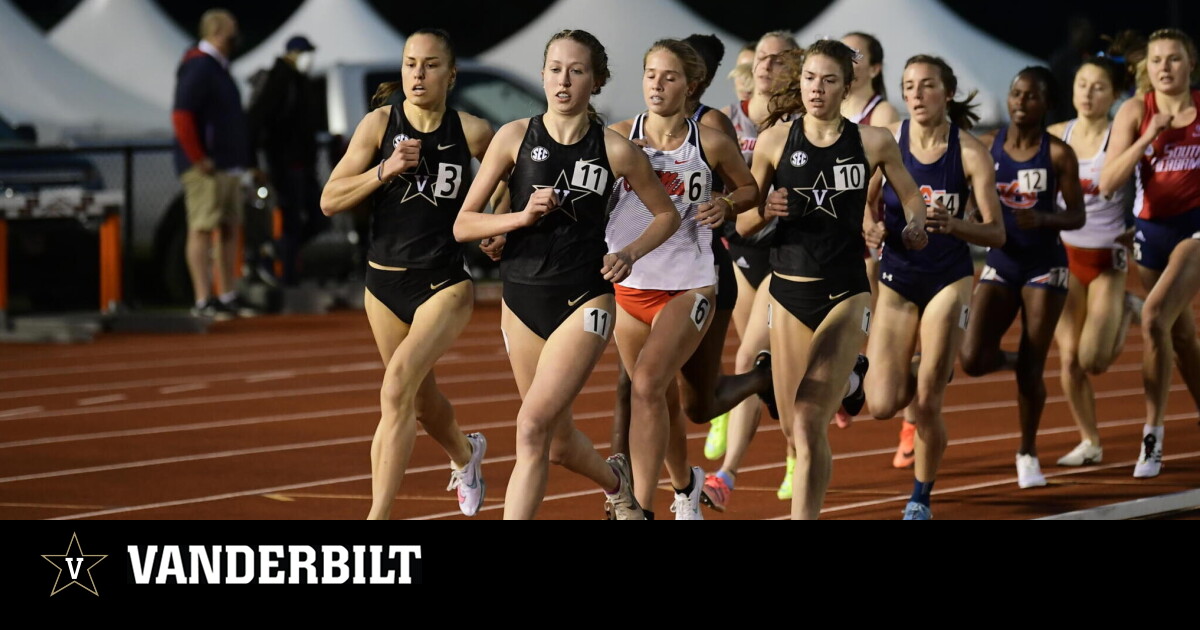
(417, 347)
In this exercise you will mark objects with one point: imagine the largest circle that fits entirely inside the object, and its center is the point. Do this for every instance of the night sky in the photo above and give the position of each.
(1036, 26)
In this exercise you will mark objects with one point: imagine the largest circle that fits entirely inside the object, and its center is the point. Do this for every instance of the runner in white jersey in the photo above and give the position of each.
(685, 261)
(1091, 331)
(666, 303)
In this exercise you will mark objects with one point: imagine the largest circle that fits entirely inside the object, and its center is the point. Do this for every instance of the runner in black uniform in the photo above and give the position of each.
(410, 162)
(819, 315)
(558, 296)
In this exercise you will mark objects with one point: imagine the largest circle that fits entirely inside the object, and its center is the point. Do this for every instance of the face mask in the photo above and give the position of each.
(304, 62)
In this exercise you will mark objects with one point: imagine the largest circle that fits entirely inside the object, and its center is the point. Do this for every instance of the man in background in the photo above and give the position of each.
(283, 121)
(211, 152)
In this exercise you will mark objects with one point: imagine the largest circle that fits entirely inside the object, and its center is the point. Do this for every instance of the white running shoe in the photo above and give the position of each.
(469, 480)
(622, 506)
(1149, 462)
(1029, 472)
(687, 506)
(1085, 454)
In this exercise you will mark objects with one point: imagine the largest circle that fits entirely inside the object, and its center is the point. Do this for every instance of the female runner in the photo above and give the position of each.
(819, 310)
(1091, 331)
(558, 308)
(926, 293)
(418, 297)
(666, 303)
(1029, 274)
(1158, 137)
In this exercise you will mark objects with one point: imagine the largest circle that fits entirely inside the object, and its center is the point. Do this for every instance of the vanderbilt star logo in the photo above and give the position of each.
(75, 564)
(567, 196)
(817, 195)
(421, 183)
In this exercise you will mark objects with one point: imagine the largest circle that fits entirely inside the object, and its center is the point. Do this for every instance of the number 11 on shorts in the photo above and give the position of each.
(597, 320)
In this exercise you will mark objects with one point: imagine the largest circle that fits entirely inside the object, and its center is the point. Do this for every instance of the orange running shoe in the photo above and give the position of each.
(905, 453)
(716, 492)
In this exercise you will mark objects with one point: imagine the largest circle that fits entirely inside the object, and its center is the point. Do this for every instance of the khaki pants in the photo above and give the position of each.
(211, 200)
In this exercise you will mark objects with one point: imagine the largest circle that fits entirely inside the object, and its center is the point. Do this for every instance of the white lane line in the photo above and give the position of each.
(267, 449)
(603, 446)
(101, 400)
(271, 376)
(187, 458)
(177, 384)
(272, 394)
(219, 497)
(991, 484)
(185, 387)
(195, 426)
(241, 422)
(201, 359)
(20, 411)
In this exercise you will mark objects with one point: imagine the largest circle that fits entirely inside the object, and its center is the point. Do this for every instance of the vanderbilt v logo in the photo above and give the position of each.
(819, 196)
(422, 181)
(77, 565)
(562, 195)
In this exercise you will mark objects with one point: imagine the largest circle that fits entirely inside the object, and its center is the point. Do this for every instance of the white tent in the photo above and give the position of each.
(131, 43)
(61, 98)
(911, 27)
(344, 31)
(626, 28)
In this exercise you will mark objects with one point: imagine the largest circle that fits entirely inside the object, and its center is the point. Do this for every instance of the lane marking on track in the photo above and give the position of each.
(101, 400)
(186, 387)
(21, 411)
(51, 506)
(271, 395)
(601, 447)
(271, 376)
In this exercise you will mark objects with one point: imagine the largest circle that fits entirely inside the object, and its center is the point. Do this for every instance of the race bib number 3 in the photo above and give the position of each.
(597, 321)
(588, 176)
(448, 181)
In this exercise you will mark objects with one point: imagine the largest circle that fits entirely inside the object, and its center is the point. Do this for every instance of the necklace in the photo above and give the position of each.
(681, 128)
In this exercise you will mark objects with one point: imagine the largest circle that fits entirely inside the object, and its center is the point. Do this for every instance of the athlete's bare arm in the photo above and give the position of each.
(356, 176)
(883, 153)
(472, 224)
(766, 160)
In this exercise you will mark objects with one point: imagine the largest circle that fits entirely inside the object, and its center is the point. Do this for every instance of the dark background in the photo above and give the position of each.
(1035, 26)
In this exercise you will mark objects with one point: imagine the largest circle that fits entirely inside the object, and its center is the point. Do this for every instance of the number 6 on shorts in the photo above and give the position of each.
(597, 320)
(700, 311)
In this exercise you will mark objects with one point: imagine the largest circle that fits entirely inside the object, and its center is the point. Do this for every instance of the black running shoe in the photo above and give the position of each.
(853, 403)
(763, 362)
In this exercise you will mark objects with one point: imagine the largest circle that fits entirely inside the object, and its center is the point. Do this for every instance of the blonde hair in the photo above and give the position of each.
(694, 68)
(214, 21)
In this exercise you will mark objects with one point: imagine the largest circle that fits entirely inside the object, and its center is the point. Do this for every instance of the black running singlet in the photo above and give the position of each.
(412, 224)
(827, 193)
(566, 246)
